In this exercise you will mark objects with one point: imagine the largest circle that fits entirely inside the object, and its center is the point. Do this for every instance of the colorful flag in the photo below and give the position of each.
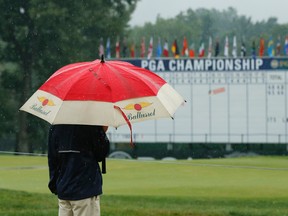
(201, 52)
(210, 48)
(278, 47)
(261, 47)
(191, 51)
(226, 47)
(253, 51)
(142, 46)
(108, 49)
(101, 48)
(286, 46)
(185, 51)
(175, 49)
(217, 48)
(150, 48)
(243, 49)
(271, 51)
(159, 48)
(234, 49)
(117, 48)
(166, 49)
(132, 50)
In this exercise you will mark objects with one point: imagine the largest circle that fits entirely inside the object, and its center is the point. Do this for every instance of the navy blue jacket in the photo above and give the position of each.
(73, 167)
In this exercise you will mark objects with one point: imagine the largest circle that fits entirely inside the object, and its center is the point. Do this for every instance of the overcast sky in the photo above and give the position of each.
(258, 10)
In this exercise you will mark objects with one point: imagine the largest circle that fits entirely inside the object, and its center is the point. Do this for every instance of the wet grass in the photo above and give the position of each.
(236, 187)
(19, 203)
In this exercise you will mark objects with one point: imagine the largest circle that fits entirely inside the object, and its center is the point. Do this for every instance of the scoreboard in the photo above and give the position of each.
(237, 100)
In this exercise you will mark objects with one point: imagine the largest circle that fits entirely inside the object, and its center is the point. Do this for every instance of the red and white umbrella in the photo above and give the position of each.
(110, 93)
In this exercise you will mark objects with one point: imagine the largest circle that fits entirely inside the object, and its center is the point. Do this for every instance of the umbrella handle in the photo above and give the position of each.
(128, 122)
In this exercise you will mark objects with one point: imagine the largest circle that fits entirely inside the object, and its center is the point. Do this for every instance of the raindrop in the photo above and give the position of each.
(22, 10)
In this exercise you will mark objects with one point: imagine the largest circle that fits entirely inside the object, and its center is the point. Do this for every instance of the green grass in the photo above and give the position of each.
(255, 186)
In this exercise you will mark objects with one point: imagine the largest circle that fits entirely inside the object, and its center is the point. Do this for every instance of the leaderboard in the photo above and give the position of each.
(237, 100)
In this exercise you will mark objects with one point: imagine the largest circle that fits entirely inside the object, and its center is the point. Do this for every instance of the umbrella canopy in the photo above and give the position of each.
(110, 93)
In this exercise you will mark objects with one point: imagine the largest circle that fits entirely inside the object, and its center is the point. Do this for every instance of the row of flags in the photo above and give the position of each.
(211, 50)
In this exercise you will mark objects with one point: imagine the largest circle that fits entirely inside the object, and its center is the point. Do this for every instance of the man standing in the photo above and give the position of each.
(75, 176)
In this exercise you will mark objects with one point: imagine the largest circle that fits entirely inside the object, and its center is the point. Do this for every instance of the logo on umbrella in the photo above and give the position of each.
(45, 101)
(137, 106)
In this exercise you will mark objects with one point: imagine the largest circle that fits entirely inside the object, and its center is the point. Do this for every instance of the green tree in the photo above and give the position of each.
(37, 37)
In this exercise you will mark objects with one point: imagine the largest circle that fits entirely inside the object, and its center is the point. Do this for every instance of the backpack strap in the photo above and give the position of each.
(103, 166)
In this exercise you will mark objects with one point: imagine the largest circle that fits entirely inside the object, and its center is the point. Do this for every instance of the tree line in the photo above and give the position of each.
(38, 37)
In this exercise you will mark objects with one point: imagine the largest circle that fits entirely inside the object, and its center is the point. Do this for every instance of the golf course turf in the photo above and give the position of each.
(231, 186)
